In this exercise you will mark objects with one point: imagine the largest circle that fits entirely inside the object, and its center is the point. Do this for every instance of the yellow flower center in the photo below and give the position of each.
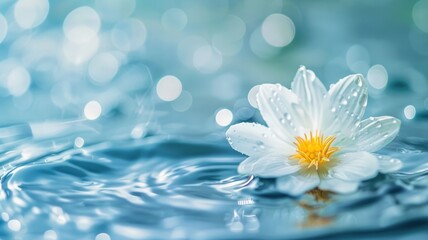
(314, 151)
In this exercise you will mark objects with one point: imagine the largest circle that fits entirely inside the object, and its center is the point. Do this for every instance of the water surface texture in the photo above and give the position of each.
(175, 187)
(113, 113)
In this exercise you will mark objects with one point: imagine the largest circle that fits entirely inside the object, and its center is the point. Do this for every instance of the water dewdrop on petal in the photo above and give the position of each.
(315, 138)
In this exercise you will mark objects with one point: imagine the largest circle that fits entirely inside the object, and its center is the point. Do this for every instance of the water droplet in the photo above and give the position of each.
(344, 102)
(371, 118)
(358, 81)
(379, 125)
(363, 100)
(274, 93)
(333, 109)
(271, 100)
(386, 135)
(282, 120)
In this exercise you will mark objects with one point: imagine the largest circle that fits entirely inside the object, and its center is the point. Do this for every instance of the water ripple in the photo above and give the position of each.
(182, 188)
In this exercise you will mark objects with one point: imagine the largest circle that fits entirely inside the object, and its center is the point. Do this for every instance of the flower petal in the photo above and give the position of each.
(355, 166)
(297, 184)
(254, 139)
(374, 133)
(311, 92)
(337, 185)
(344, 106)
(269, 166)
(388, 164)
(281, 111)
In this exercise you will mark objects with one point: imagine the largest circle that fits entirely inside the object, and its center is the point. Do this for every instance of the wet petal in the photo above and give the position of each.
(269, 166)
(297, 184)
(355, 166)
(344, 106)
(282, 112)
(338, 186)
(388, 164)
(311, 92)
(374, 133)
(254, 139)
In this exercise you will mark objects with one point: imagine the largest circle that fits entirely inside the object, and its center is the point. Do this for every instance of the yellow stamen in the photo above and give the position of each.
(314, 151)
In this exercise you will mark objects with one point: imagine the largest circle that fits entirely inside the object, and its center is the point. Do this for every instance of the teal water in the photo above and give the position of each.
(188, 188)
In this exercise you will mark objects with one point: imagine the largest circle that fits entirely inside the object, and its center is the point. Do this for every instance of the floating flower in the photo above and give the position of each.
(315, 138)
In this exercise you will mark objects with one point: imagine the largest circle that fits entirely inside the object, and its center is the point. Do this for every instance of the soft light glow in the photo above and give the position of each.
(3, 28)
(183, 103)
(92, 110)
(30, 13)
(18, 81)
(80, 53)
(103, 67)
(358, 58)
(260, 47)
(187, 47)
(169, 88)
(129, 34)
(102, 236)
(252, 94)
(50, 235)
(81, 25)
(207, 59)
(410, 112)
(420, 16)
(174, 19)
(224, 117)
(79, 142)
(377, 76)
(234, 28)
(278, 30)
(113, 10)
(137, 131)
(14, 225)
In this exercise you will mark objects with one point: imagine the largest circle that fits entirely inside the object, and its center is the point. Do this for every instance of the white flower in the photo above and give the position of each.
(315, 138)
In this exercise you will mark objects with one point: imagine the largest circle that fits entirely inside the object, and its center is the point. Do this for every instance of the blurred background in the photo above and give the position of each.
(186, 67)
(75, 73)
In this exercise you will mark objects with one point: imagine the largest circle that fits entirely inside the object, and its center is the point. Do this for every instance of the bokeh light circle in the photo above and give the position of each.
(30, 13)
(113, 10)
(103, 67)
(377, 76)
(169, 88)
(278, 30)
(224, 117)
(18, 81)
(207, 59)
(174, 19)
(81, 25)
(410, 112)
(92, 110)
(129, 34)
(3, 28)
(420, 15)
